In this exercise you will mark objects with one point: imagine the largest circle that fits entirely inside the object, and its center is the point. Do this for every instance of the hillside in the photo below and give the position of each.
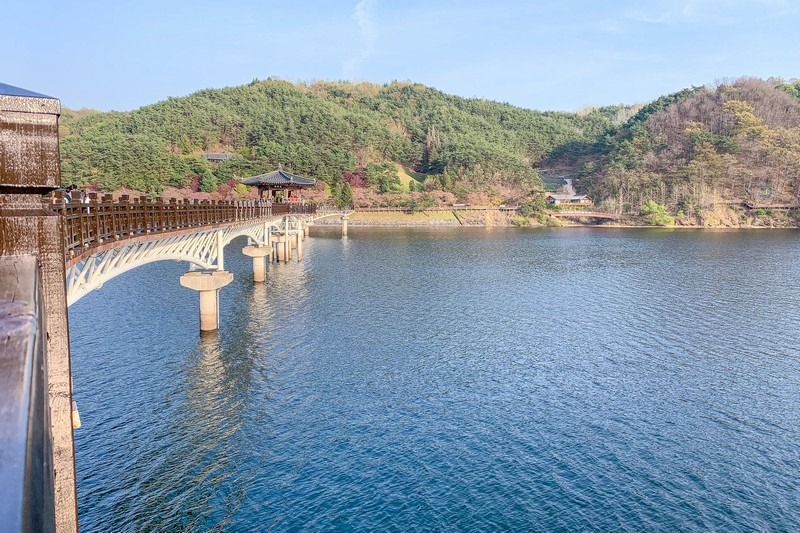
(335, 132)
(703, 148)
(691, 152)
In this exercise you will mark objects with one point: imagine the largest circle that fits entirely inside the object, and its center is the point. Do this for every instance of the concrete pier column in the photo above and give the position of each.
(208, 283)
(344, 226)
(259, 254)
(299, 237)
(280, 248)
(287, 238)
(273, 244)
(306, 230)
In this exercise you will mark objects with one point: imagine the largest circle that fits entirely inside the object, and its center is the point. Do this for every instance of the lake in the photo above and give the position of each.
(451, 379)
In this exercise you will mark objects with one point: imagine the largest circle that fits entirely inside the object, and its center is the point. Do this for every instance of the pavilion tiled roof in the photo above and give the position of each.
(217, 156)
(279, 177)
(567, 196)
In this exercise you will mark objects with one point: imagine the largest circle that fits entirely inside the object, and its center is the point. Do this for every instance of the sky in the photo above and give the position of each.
(560, 55)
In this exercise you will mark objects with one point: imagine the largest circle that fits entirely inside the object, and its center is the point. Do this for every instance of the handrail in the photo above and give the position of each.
(26, 457)
(89, 224)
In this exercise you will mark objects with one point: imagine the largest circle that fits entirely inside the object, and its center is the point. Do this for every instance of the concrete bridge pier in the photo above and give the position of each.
(281, 252)
(291, 243)
(344, 226)
(208, 283)
(299, 237)
(259, 255)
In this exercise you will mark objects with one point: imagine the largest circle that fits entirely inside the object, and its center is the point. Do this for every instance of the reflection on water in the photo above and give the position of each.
(451, 379)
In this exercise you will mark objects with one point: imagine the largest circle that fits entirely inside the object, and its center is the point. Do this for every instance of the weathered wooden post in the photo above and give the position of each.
(31, 234)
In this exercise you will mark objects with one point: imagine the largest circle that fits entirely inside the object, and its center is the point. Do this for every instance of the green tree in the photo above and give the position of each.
(384, 177)
(208, 182)
(345, 196)
(656, 214)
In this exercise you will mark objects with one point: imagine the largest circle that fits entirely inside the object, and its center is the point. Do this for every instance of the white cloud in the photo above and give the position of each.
(362, 14)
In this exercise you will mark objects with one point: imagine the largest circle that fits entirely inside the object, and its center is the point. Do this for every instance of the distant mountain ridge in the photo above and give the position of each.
(689, 151)
(328, 130)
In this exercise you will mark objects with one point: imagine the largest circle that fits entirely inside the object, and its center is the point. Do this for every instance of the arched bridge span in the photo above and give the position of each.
(103, 238)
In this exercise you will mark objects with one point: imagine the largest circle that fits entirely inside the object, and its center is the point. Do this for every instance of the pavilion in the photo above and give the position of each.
(288, 184)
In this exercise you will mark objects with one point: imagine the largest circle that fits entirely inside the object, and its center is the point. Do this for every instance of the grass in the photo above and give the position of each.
(407, 176)
(405, 217)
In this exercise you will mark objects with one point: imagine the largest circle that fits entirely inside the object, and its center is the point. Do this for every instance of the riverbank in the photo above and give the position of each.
(486, 217)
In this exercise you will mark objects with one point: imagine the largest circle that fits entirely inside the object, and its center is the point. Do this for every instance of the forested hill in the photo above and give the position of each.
(701, 150)
(335, 132)
(691, 152)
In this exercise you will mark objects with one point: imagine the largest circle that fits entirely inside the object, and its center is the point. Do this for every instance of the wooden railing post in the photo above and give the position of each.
(144, 207)
(107, 211)
(93, 222)
(159, 212)
(172, 213)
(125, 215)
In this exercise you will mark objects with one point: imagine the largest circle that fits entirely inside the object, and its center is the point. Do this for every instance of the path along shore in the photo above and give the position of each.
(487, 217)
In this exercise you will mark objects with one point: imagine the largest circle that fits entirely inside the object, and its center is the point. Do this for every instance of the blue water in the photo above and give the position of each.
(451, 379)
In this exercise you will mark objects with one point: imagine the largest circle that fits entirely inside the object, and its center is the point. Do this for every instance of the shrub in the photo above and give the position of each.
(656, 214)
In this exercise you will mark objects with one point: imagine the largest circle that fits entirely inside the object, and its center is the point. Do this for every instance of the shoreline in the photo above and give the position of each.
(489, 218)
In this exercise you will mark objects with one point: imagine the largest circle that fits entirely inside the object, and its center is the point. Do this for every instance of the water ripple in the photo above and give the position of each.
(452, 380)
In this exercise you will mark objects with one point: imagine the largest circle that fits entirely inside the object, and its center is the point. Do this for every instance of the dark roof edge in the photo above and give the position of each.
(10, 90)
(25, 101)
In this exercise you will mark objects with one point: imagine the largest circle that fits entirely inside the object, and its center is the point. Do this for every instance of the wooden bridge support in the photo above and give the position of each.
(208, 283)
(259, 254)
(29, 169)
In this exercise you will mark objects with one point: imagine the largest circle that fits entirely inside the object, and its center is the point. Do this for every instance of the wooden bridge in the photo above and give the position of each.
(103, 220)
(104, 238)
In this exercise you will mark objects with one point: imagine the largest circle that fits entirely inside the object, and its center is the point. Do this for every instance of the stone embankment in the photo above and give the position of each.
(434, 217)
(723, 217)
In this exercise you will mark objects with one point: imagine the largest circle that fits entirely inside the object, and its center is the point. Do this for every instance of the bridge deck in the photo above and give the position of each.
(95, 224)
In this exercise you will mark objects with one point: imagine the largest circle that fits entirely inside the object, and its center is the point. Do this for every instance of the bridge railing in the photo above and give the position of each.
(26, 468)
(89, 224)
